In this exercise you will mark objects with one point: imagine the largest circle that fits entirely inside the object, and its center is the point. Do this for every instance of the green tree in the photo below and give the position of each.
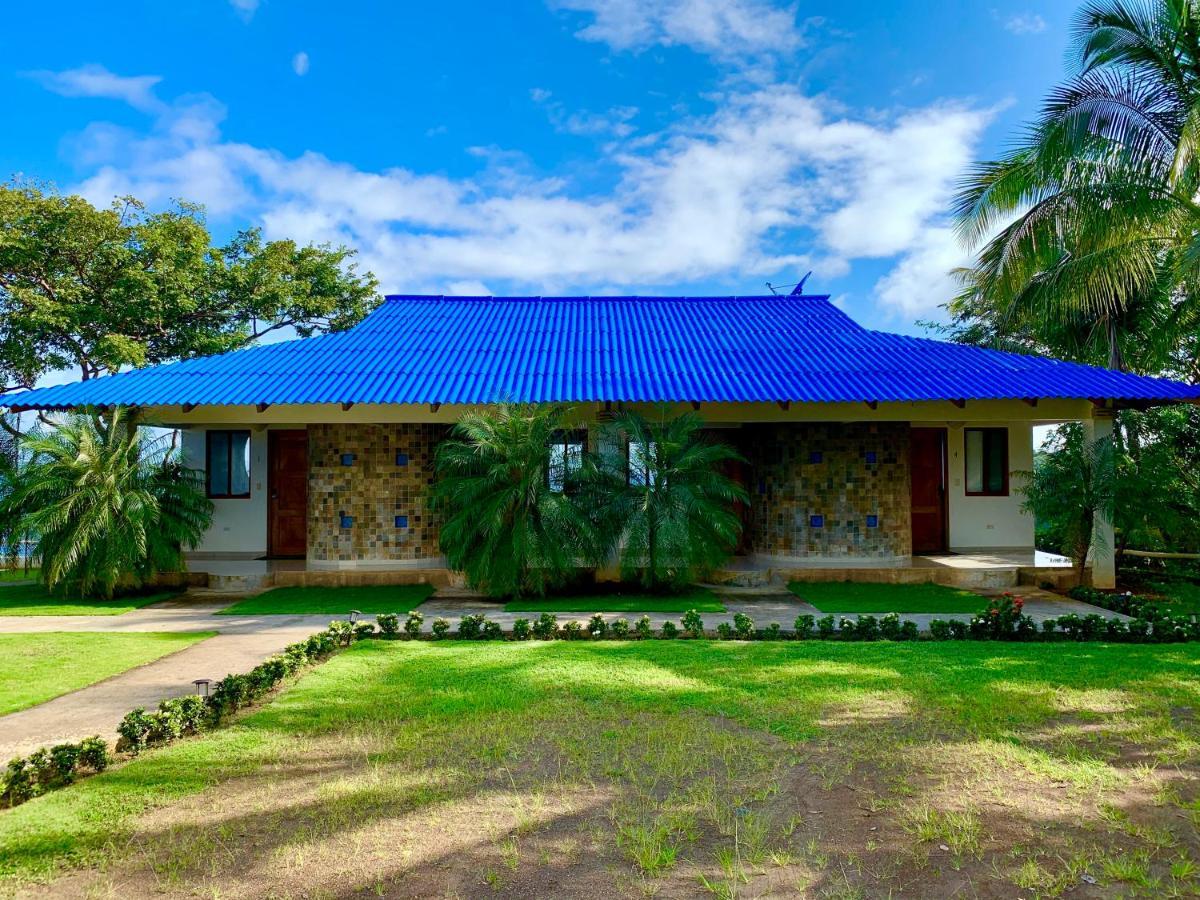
(664, 497)
(107, 507)
(1070, 489)
(511, 515)
(1088, 231)
(96, 290)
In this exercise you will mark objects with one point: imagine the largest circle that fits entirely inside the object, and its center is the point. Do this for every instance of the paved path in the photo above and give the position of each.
(244, 641)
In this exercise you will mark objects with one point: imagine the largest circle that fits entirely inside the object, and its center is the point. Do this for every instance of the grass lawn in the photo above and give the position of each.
(19, 575)
(332, 601)
(850, 597)
(37, 667)
(35, 600)
(697, 598)
(676, 768)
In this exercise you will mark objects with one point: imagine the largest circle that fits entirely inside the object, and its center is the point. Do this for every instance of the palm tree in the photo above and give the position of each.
(1088, 231)
(511, 519)
(666, 498)
(106, 506)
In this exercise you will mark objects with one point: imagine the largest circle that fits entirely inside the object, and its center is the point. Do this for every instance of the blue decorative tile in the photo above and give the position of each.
(347, 459)
(816, 521)
(872, 457)
(402, 459)
(346, 521)
(872, 521)
(401, 521)
(815, 456)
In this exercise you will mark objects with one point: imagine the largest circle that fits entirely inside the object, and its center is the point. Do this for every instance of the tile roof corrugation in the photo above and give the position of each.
(416, 349)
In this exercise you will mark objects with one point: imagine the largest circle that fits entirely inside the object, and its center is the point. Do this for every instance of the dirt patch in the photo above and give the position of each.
(590, 815)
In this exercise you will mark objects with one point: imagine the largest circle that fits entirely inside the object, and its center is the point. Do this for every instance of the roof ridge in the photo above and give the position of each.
(390, 298)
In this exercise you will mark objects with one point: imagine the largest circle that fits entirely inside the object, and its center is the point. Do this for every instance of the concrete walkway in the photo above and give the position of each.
(244, 641)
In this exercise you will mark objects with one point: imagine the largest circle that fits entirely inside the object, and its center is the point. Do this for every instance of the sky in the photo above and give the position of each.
(549, 146)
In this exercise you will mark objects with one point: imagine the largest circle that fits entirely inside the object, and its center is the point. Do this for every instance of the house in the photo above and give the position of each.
(862, 448)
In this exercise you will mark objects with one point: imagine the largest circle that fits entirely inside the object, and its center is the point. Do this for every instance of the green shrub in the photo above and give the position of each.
(803, 627)
(725, 631)
(772, 632)
(470, 627)
(889, 626)
(412, 625)
(693, 625)
(1116, 630)
(520, 630)
(20, 782)
(620, 628)
(134, 730)
(597, 626)
(668, 631)
(939, 629)
(958, 629)
(363, 630)
(342, 632)
(866, 629)
(908, 631)
(441, 628)
(63, 760)
(1049, 626)
(389, 624)
(572, 631)
(825, 627)
(1139, 629)
(743, 626)
(492, 631)
(643, 628)
(93, 753)
(545, 627)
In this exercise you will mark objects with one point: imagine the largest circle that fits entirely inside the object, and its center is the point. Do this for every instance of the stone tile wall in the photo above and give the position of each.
(841, 473)
(357, 489)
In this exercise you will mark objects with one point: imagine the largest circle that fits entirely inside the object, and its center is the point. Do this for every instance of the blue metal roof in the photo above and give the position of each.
(428, 349)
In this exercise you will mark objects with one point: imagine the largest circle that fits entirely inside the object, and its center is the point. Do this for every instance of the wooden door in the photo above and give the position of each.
(287, 483)
(928, 469)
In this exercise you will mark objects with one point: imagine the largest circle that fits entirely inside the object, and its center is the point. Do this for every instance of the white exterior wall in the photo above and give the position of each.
(993, 522)
(239, 526)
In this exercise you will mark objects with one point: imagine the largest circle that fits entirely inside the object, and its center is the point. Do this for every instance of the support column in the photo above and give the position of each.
(1104, 563)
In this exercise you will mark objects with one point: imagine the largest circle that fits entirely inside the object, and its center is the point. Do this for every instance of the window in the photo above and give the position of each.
(987, 462)
(566, 459)
(640, 456)
(227, 464)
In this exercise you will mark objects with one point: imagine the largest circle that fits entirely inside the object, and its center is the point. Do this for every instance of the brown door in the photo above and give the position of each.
(928, 467)
(287, 483)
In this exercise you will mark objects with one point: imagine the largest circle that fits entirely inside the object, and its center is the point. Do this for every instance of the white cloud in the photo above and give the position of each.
(245, 8)
(97, 81)
(1025, 23)
(300, 63)
(615, 122)
(772, 182)
(723, 28)
(921, 281)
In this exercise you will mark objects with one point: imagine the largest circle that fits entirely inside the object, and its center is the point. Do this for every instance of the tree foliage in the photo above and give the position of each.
(1088, 230)
(96, 290)
(503, 523)
(666, 499)
(1070, 489)
(105, 506)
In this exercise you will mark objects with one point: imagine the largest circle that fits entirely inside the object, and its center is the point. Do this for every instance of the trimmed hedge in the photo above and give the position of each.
(48, 768)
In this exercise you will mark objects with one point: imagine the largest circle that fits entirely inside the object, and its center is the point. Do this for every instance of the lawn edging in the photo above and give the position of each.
(50, 768)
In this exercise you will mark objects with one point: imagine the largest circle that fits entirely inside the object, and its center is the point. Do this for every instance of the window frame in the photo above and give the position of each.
(565, 438)
(208, 485)
(984, 460)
